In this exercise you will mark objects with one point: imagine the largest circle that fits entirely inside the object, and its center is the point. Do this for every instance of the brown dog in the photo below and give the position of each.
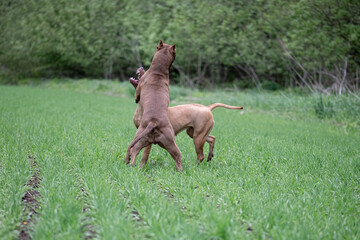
(197, 119)
(152, 94)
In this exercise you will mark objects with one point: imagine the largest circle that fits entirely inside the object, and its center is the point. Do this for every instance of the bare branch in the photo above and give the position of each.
(344, 77)
(288, 54)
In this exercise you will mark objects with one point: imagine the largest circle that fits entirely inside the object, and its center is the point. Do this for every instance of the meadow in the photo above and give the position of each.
(286, 167)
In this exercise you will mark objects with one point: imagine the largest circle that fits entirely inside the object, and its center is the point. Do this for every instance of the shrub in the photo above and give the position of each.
(324, 108)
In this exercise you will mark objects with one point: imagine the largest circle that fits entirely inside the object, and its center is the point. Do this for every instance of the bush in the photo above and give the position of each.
(324, 108)
(272, 86)
(241, 42)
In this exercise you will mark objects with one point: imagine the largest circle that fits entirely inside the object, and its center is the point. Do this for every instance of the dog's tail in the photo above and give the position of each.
(148, 129)
(215, 105)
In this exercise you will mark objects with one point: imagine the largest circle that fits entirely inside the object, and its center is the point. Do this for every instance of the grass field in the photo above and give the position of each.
(278, 172)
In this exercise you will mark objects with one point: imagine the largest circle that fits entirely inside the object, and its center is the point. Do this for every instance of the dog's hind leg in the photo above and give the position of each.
(175, 153)
(145, 155)
(199, 140)
(167, 141)
(211, 140)
(136, 149)
(128, 152)
(127, 158)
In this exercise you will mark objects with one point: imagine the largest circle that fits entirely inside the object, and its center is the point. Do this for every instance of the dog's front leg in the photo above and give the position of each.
(137, 94)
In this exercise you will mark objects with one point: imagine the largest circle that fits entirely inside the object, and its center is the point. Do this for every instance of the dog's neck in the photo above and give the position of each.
(161, 64)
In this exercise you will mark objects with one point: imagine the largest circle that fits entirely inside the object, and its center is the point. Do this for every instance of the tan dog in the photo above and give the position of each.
(152, 94)
(197, 119)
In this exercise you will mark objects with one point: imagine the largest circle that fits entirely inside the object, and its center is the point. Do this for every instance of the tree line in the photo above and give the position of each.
(313, 44)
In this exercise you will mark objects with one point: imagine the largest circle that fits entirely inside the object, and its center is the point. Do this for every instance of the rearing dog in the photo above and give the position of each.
(197, 119)
(152, 94)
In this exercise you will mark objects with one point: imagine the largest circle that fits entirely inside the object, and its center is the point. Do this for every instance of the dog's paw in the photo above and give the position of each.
(139, 70)
(210, 157)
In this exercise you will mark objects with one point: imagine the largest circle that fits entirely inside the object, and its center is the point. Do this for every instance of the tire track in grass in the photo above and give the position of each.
(186, 210)
(182, 192)
(135, 215)
(107, 210)
(88, 228)
(164, 190)
(61, 209)
(90, 232)
(222, 210)
(30, 201)
(159, 219)
(167, 193)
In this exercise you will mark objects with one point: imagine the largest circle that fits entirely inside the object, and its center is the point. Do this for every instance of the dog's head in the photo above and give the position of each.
(165, 52)
(134, 82)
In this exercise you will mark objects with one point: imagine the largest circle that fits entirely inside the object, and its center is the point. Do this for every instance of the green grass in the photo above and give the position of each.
(342, 110)
(278, 169)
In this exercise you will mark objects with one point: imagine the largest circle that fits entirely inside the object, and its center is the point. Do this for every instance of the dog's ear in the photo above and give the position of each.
(160, 45)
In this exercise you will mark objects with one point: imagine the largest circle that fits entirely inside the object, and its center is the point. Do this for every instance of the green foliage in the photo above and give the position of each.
(273, 175)
(285, 42)
(177, 92)
(268, 85)
(324, 108)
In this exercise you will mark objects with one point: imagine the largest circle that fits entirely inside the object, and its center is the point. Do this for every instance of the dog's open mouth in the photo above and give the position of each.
(134, 82)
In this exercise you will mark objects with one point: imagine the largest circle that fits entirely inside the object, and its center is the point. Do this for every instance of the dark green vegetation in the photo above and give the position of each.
(278, 172)
(311, 43)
